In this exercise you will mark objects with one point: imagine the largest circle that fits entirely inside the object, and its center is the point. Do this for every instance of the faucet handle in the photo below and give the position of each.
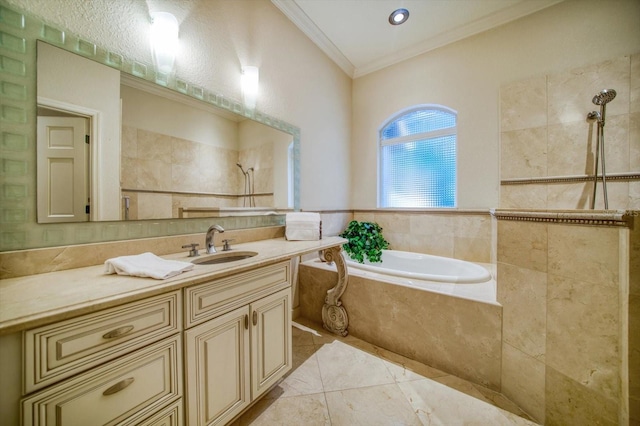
(225, 245)
(194, 251)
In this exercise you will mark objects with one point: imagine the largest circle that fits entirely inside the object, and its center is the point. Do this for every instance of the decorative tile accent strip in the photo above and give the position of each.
(618, 218)
(620, 177)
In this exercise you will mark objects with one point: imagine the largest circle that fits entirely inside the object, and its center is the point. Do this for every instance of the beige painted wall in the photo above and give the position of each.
(467, 75)
(298, 83)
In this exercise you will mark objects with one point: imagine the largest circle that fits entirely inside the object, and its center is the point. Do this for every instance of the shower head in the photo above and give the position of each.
(604, 97)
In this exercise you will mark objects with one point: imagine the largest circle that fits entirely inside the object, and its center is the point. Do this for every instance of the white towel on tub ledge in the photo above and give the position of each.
(146, 265)
(303, 226)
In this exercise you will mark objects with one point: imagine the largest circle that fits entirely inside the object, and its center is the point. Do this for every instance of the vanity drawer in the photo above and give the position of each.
(124, 392)
(57, 351)
(209, 300)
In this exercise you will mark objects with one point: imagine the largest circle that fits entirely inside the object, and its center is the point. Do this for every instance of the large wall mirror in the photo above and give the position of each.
(112, 146)
(134, 186)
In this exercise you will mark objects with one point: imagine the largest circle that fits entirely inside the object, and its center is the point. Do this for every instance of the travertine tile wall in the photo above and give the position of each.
(457, 335)
(544, 133)
(562, 288)
(456, 234)
(634, 324)
(153, 161)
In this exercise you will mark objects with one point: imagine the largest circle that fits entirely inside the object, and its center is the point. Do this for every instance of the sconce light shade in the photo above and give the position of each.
(250, 83)
(164, 40)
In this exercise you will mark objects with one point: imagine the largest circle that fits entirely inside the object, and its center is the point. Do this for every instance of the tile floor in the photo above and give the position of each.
(346, 381)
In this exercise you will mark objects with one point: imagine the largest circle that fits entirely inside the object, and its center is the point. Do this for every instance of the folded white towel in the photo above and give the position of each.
(146, 265)
(303, 226)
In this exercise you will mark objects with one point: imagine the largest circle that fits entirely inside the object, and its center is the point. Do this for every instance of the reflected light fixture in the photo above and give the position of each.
(398, 16)
(164, 40)
(249, 83)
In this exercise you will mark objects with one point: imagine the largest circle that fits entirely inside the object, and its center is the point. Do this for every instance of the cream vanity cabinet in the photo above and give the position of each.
(237, 342)
(117, 366)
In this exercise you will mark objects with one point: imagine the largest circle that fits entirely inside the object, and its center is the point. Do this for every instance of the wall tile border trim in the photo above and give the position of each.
(619, 177)
(614, 218)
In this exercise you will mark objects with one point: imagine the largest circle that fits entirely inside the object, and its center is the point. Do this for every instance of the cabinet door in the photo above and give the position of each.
(270, 341)
(217, 368)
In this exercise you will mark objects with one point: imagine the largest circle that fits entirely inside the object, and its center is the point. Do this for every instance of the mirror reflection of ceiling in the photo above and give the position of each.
(177, 157)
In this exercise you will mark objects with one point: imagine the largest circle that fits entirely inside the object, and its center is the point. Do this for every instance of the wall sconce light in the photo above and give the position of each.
(164, 40)
(250, 83)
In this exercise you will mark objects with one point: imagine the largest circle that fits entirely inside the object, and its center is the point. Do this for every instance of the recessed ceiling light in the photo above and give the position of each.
(399, 16)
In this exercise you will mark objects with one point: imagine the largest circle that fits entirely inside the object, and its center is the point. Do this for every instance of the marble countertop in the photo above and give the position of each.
(40, 299)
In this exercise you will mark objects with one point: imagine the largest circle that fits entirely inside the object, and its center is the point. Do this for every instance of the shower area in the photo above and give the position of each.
(568, 243)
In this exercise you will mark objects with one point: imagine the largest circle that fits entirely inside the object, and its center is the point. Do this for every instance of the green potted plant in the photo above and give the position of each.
(365, 240)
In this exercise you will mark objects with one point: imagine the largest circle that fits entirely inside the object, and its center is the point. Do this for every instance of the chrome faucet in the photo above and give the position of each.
(209, 238)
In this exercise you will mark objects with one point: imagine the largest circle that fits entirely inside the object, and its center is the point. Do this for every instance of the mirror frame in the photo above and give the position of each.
(19, 229)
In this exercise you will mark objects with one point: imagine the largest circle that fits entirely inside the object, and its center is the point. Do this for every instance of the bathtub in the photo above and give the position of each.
(449, 319)
(443, 275)
(425, 267)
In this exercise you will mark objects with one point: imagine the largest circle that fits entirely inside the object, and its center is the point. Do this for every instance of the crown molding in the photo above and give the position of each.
(291, 9)
(306, 25)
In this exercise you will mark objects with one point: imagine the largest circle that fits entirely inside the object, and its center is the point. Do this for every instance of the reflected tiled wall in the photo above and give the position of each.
(456, 234)
(544, 133)
(153, 161)
(562, 291)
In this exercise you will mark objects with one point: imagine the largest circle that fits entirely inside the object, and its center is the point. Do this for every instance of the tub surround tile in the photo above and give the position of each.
(379, 405)
(523, 104)
(523, 244)
(634, 141)
(392, 222)
(154, 206)
(473, 226)
(523, 153)
(443, 245)
(377, 311)
(595, 247)
(568, 402)
(153, 146)
(583, 333)
(523, 295)
(523, 381)
(472, 249)
(634, 96)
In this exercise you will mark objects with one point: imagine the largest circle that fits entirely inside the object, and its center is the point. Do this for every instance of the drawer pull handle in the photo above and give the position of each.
(118, 332)
(246, 322)
(255, 317)
(118, 386)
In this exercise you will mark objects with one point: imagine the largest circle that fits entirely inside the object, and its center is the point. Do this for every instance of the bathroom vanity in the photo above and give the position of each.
(78, 347)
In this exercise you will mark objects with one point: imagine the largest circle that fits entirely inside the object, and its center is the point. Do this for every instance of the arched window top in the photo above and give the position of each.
(418, 120)
(417, 158)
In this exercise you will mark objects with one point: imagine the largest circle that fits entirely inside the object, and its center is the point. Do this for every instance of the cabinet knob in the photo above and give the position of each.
(246, 322)
(118, 386)
(255, 317)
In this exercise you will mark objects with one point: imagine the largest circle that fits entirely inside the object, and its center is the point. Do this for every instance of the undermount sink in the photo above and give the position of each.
(224, 257)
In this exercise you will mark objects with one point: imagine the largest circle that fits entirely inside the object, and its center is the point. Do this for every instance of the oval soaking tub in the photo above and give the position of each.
(424, 267)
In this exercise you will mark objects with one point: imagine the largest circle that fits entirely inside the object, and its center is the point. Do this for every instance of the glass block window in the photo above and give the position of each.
(418, 159)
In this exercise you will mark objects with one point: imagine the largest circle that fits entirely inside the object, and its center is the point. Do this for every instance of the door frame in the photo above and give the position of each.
(94, 145)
